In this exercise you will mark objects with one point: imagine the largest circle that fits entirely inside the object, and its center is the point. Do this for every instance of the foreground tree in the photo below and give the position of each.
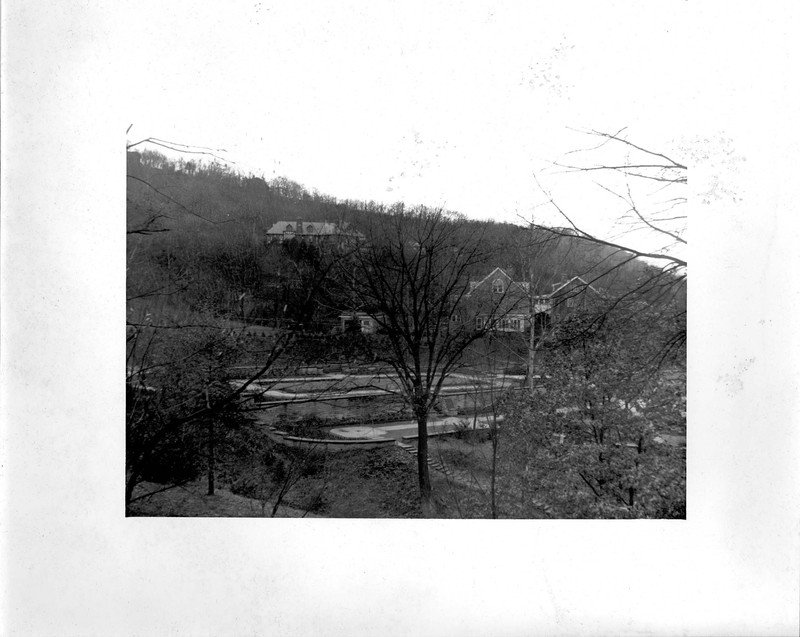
(590, 442)
(182, 409)
(412, 276)
(586, 440)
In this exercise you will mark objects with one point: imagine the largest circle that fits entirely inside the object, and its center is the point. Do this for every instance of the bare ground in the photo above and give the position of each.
(191, 500)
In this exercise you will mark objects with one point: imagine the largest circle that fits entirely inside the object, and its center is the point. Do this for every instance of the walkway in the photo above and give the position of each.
(270, 396)
(408, 428)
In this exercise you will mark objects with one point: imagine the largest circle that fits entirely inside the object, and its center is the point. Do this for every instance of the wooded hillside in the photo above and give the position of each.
(197, 243)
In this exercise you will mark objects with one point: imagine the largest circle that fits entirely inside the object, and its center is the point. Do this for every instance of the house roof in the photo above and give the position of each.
(524, 286)
(361, 314)
(322, 228)
(561, 286)
(521, 285)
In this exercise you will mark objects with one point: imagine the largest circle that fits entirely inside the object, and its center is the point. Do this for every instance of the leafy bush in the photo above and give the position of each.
(465, 431)
(585, 445)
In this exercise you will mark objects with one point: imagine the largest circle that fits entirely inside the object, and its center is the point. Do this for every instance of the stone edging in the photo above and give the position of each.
(328, 444)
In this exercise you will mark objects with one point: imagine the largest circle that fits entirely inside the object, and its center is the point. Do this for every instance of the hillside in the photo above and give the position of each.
(197, 242)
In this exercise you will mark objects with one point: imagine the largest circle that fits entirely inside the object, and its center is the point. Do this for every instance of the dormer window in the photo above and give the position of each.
(289, 227)
(498, 286)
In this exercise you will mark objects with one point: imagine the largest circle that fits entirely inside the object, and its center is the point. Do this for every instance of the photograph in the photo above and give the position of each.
(429, 281)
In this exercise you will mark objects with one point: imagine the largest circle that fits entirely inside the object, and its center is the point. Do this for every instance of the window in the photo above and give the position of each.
(455, 318)
(498, 286)
(515, 324)
(571, 301)
(289, 227)
(478, 322)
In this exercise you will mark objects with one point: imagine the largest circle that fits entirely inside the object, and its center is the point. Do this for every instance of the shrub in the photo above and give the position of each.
(465, 431)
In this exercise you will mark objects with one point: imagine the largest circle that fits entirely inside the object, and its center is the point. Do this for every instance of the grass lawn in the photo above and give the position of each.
(382, 483)
(378, 483)
(192, 500)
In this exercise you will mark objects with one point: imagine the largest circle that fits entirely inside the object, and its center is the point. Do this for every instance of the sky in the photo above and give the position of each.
(446, 104)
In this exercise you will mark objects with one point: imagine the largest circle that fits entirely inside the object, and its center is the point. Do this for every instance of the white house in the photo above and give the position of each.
(367, 323)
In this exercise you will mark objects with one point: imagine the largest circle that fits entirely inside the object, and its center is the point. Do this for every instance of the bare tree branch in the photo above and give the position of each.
(576, 231)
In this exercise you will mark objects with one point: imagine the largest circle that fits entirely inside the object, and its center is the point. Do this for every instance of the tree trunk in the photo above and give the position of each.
(495, 442)
(211, 456)
(210, 449)
(532, 343)
(129, 487)
(425, 490)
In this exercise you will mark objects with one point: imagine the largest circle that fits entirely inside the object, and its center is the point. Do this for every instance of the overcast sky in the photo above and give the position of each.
(446, 104)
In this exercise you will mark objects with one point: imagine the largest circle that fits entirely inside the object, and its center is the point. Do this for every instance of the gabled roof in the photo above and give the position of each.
(362, 314)
(584, 284)
(315, 227)
(522, 285)
(325, 228)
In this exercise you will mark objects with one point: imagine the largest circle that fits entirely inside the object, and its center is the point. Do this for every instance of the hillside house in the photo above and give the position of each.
(572, 295)
(498, 300)
(509, 305)
(318, 232)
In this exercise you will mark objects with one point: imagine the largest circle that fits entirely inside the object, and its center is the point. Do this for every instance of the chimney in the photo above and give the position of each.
(300, 227)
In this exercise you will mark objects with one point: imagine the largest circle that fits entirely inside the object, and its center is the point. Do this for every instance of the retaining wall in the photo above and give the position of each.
(327, 445)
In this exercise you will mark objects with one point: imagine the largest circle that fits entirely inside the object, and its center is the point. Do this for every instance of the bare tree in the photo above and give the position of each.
(177, 390)
(662, 217)
(491, 390)
(650, 186)
(413, 276)
(273, 477)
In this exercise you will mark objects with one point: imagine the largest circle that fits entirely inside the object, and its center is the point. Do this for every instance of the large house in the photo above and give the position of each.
(570, 296)
(504, 305)
(498, 302)
(313, 232)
